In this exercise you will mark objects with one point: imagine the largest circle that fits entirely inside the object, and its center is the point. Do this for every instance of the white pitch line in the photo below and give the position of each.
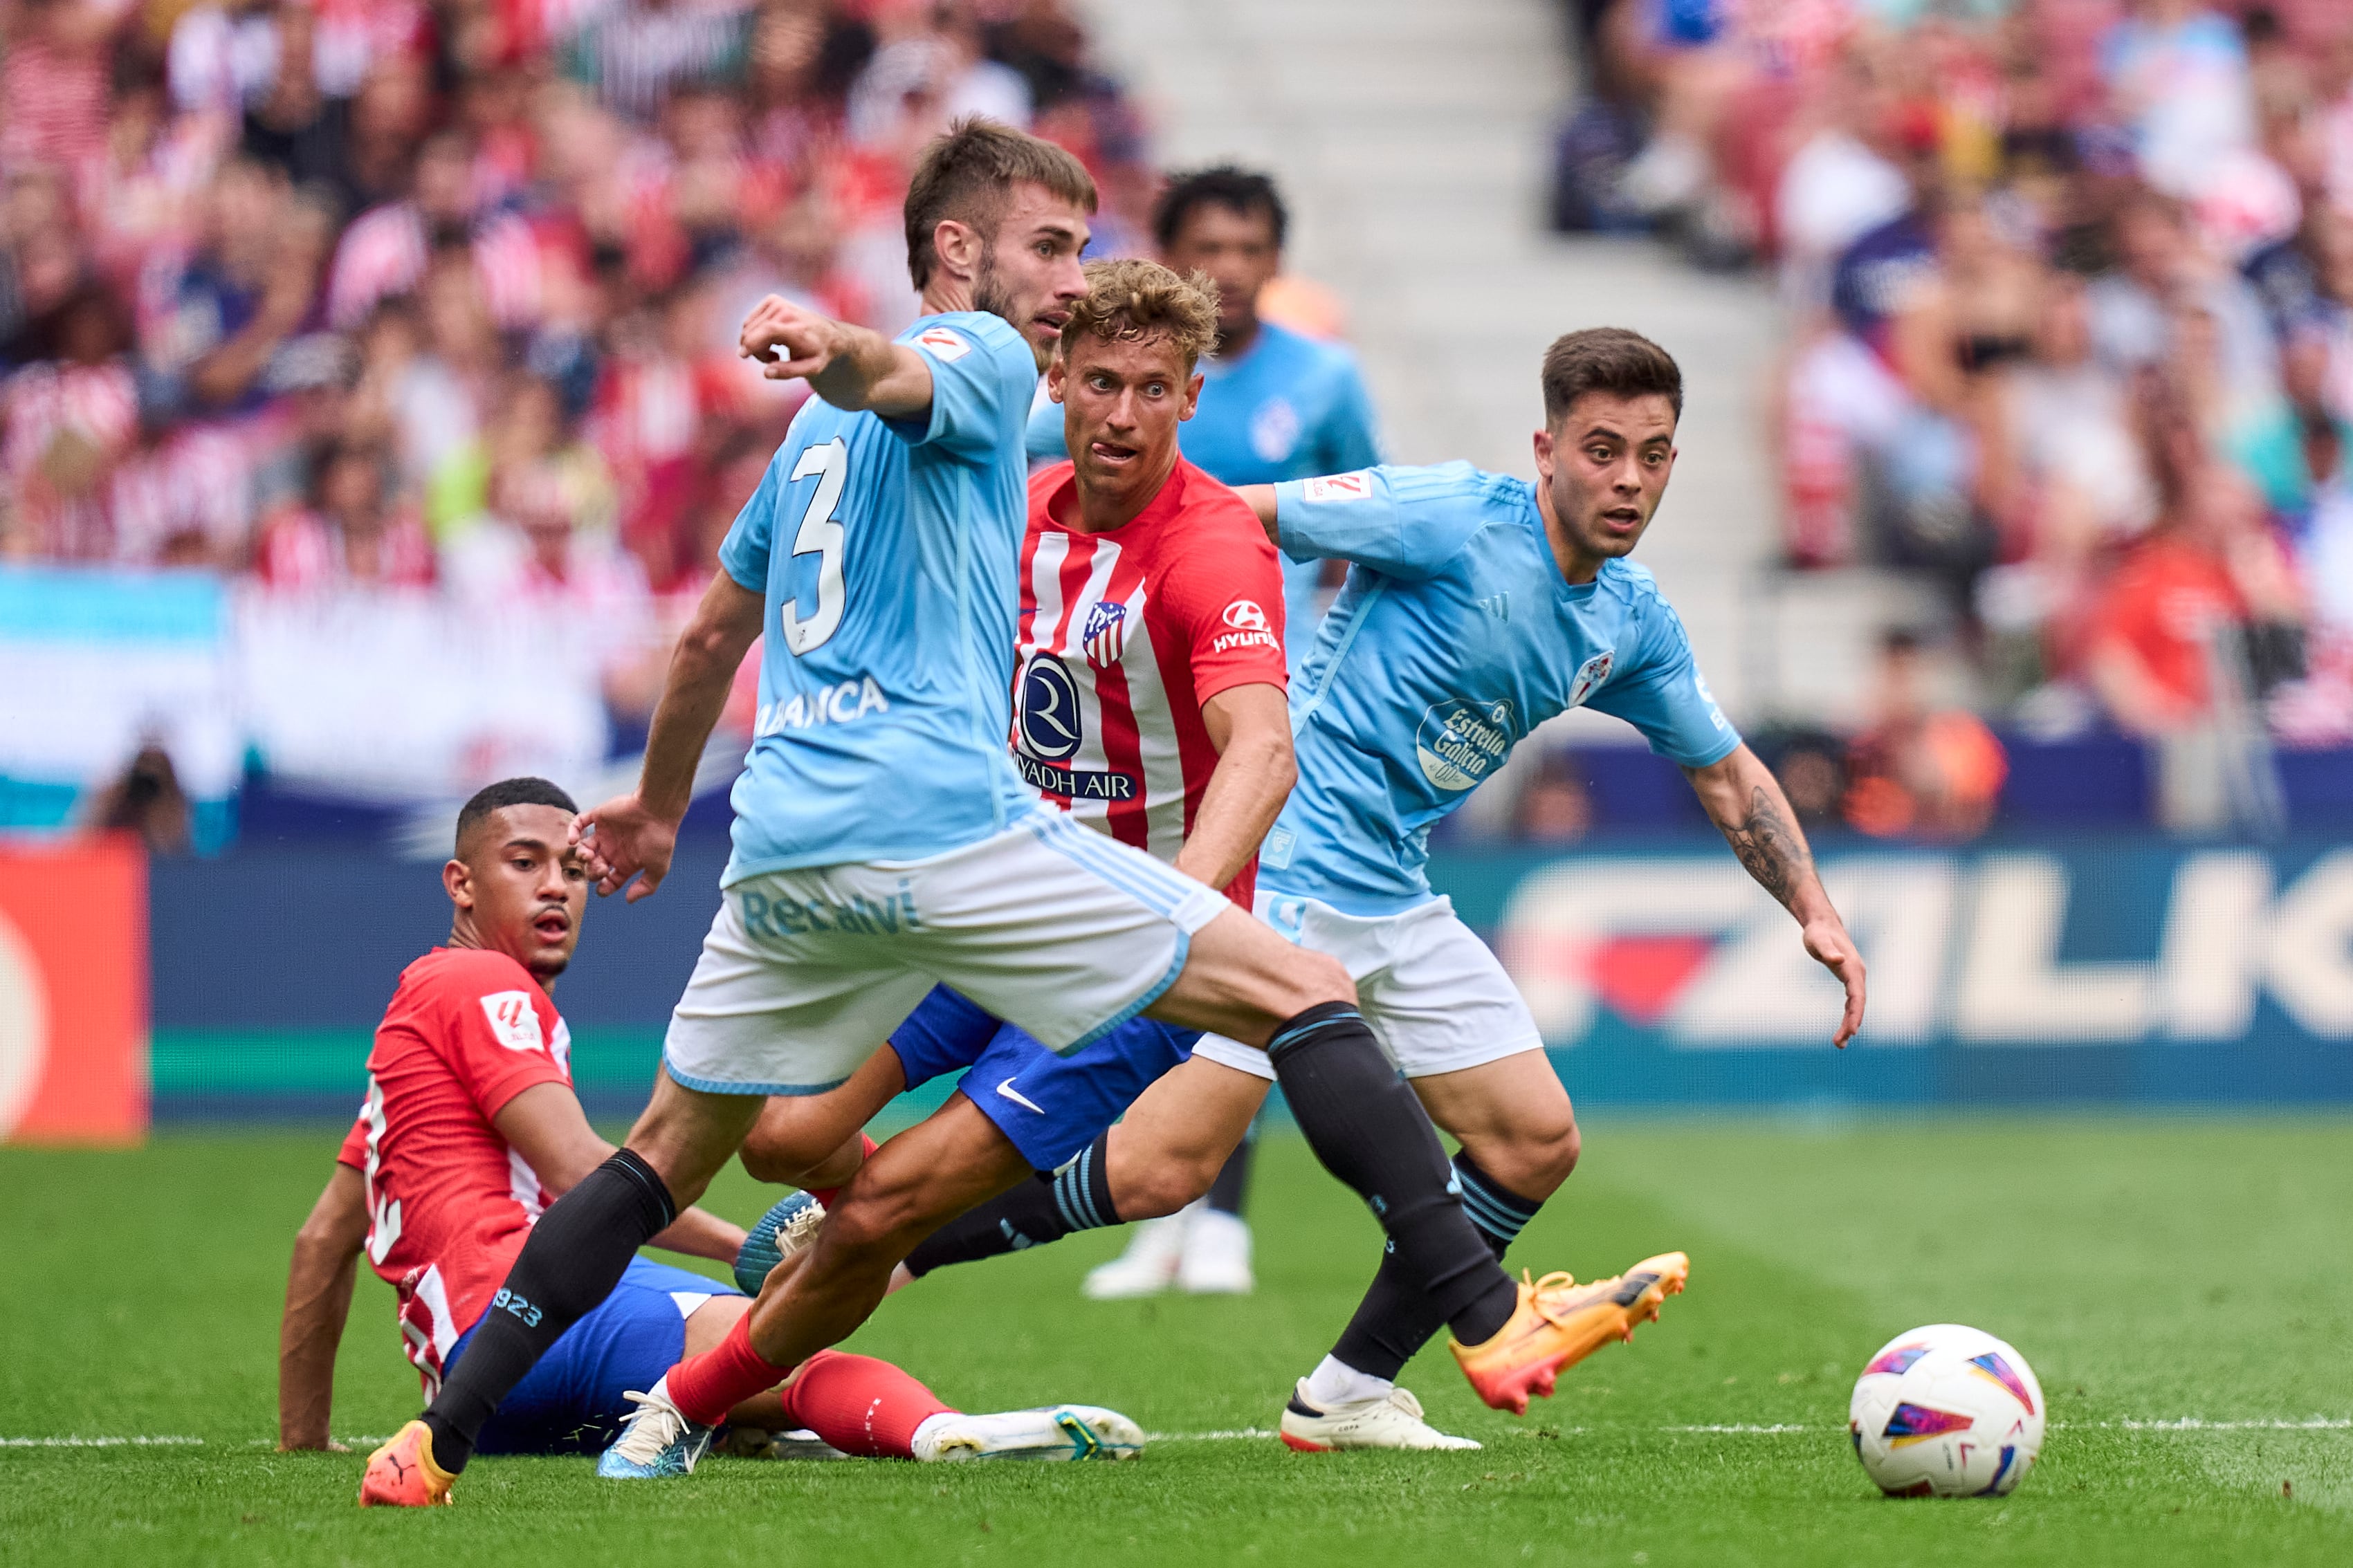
(2200, 1424)
(1257, 1434)
(101, 1442)
(1782, 1429)
(1774, 1430)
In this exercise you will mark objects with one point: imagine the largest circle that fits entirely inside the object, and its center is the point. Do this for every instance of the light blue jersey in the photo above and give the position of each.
(1455, 635)
(1286, 408)
(888, 552)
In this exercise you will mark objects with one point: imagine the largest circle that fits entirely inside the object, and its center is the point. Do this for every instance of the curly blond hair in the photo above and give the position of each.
(1132, 298)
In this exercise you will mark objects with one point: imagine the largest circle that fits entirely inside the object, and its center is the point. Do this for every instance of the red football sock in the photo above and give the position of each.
(827, 1194)
(860, 1405)
(706, 1387)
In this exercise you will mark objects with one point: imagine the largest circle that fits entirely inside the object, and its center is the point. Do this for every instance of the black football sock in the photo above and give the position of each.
(1226, 1194)
(576, 1254)
(1076, 1197)
(1395, 1320)
(1369, 1129)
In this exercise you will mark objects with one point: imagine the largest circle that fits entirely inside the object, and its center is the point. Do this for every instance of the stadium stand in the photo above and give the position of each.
(402, 335)
(406, 334)
(2070, 315)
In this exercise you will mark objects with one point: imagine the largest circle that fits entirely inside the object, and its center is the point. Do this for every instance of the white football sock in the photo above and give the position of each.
(1334, 1382)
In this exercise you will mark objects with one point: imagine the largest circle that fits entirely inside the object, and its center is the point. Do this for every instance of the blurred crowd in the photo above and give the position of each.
(2071, 293)
(392, 296)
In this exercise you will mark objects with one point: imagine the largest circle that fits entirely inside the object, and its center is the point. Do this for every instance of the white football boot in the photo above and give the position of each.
(1392, 1421)
(1056, 1432)
(1147, 1267)
(1216, 1258)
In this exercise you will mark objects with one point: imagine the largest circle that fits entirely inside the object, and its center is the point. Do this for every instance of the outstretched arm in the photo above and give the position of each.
(317, 1303)
(855, 368)
(637, 832)
(1260, 498)
(1250, 728)
(545, 1125)
(1746, 803)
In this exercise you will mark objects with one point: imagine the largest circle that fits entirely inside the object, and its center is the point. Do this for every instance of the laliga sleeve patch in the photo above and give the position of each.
(513, 1020)
(942, 344)
(1357, 486)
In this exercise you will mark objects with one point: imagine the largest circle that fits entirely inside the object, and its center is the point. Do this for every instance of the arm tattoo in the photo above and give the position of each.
(1769, 848)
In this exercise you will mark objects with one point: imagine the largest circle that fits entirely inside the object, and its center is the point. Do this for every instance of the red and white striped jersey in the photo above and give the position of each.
(1123, 636)
(450, 1201)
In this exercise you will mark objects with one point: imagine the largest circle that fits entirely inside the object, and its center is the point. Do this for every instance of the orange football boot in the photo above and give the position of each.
(1559, 1322)
(401, 1473)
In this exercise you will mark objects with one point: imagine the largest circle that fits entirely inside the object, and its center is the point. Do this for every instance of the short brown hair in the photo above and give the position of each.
(1610, 360)
(1132, 298)
(968, 175)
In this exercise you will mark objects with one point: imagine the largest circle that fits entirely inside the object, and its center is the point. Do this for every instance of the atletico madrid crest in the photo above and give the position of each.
(1105, 635)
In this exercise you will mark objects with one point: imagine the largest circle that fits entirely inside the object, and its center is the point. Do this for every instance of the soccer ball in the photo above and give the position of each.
(1947, 1410)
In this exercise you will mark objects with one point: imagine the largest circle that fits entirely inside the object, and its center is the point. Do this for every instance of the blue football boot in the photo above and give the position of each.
(783, 1231)
(657, 1440)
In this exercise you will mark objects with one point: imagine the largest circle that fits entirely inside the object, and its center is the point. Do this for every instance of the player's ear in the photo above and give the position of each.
(1543, 452)
(957, 245)
(457, 881)
(1058, 372)
(1192, 396)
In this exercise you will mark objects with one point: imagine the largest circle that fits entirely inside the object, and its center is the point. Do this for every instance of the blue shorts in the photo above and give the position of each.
(571, 1403)
(1051, 1107)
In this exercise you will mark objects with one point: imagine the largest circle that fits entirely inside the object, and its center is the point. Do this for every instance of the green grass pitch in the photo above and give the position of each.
(2151, 1270)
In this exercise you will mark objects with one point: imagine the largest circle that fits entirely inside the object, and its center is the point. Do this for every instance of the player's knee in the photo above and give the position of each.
(1163, 1188)
(766, 1160)
(1546, 1147)
(1563, 1144)
(883, 1219)
(1318, 978)
(860, 1226)
(774, 1154)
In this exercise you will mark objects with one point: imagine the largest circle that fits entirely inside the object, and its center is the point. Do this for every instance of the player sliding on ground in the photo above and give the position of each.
(884, 843)
(470, 1125)
(1477, 606)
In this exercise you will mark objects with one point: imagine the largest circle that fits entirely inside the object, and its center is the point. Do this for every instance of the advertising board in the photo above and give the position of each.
(2068, 970)
(73, 993)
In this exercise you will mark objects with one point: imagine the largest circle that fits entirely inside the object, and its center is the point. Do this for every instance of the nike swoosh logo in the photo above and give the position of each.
(1007, 1090)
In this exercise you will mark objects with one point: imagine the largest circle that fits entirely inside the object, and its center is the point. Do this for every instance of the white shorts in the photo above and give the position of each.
(1434, 995)
(1050, 926)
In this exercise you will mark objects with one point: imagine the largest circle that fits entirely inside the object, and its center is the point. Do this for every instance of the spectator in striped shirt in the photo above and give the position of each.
(350, 536)
(639, 53)
(384, 251)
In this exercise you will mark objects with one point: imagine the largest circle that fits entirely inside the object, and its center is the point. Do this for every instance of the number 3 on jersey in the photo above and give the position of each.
(821, 536)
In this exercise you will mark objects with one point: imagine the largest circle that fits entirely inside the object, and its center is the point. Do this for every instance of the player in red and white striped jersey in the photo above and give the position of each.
(1126, 635)
(471, 1126)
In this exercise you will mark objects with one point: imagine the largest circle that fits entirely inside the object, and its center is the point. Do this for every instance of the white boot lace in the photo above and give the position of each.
(653, 1426)
(797, 1232)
